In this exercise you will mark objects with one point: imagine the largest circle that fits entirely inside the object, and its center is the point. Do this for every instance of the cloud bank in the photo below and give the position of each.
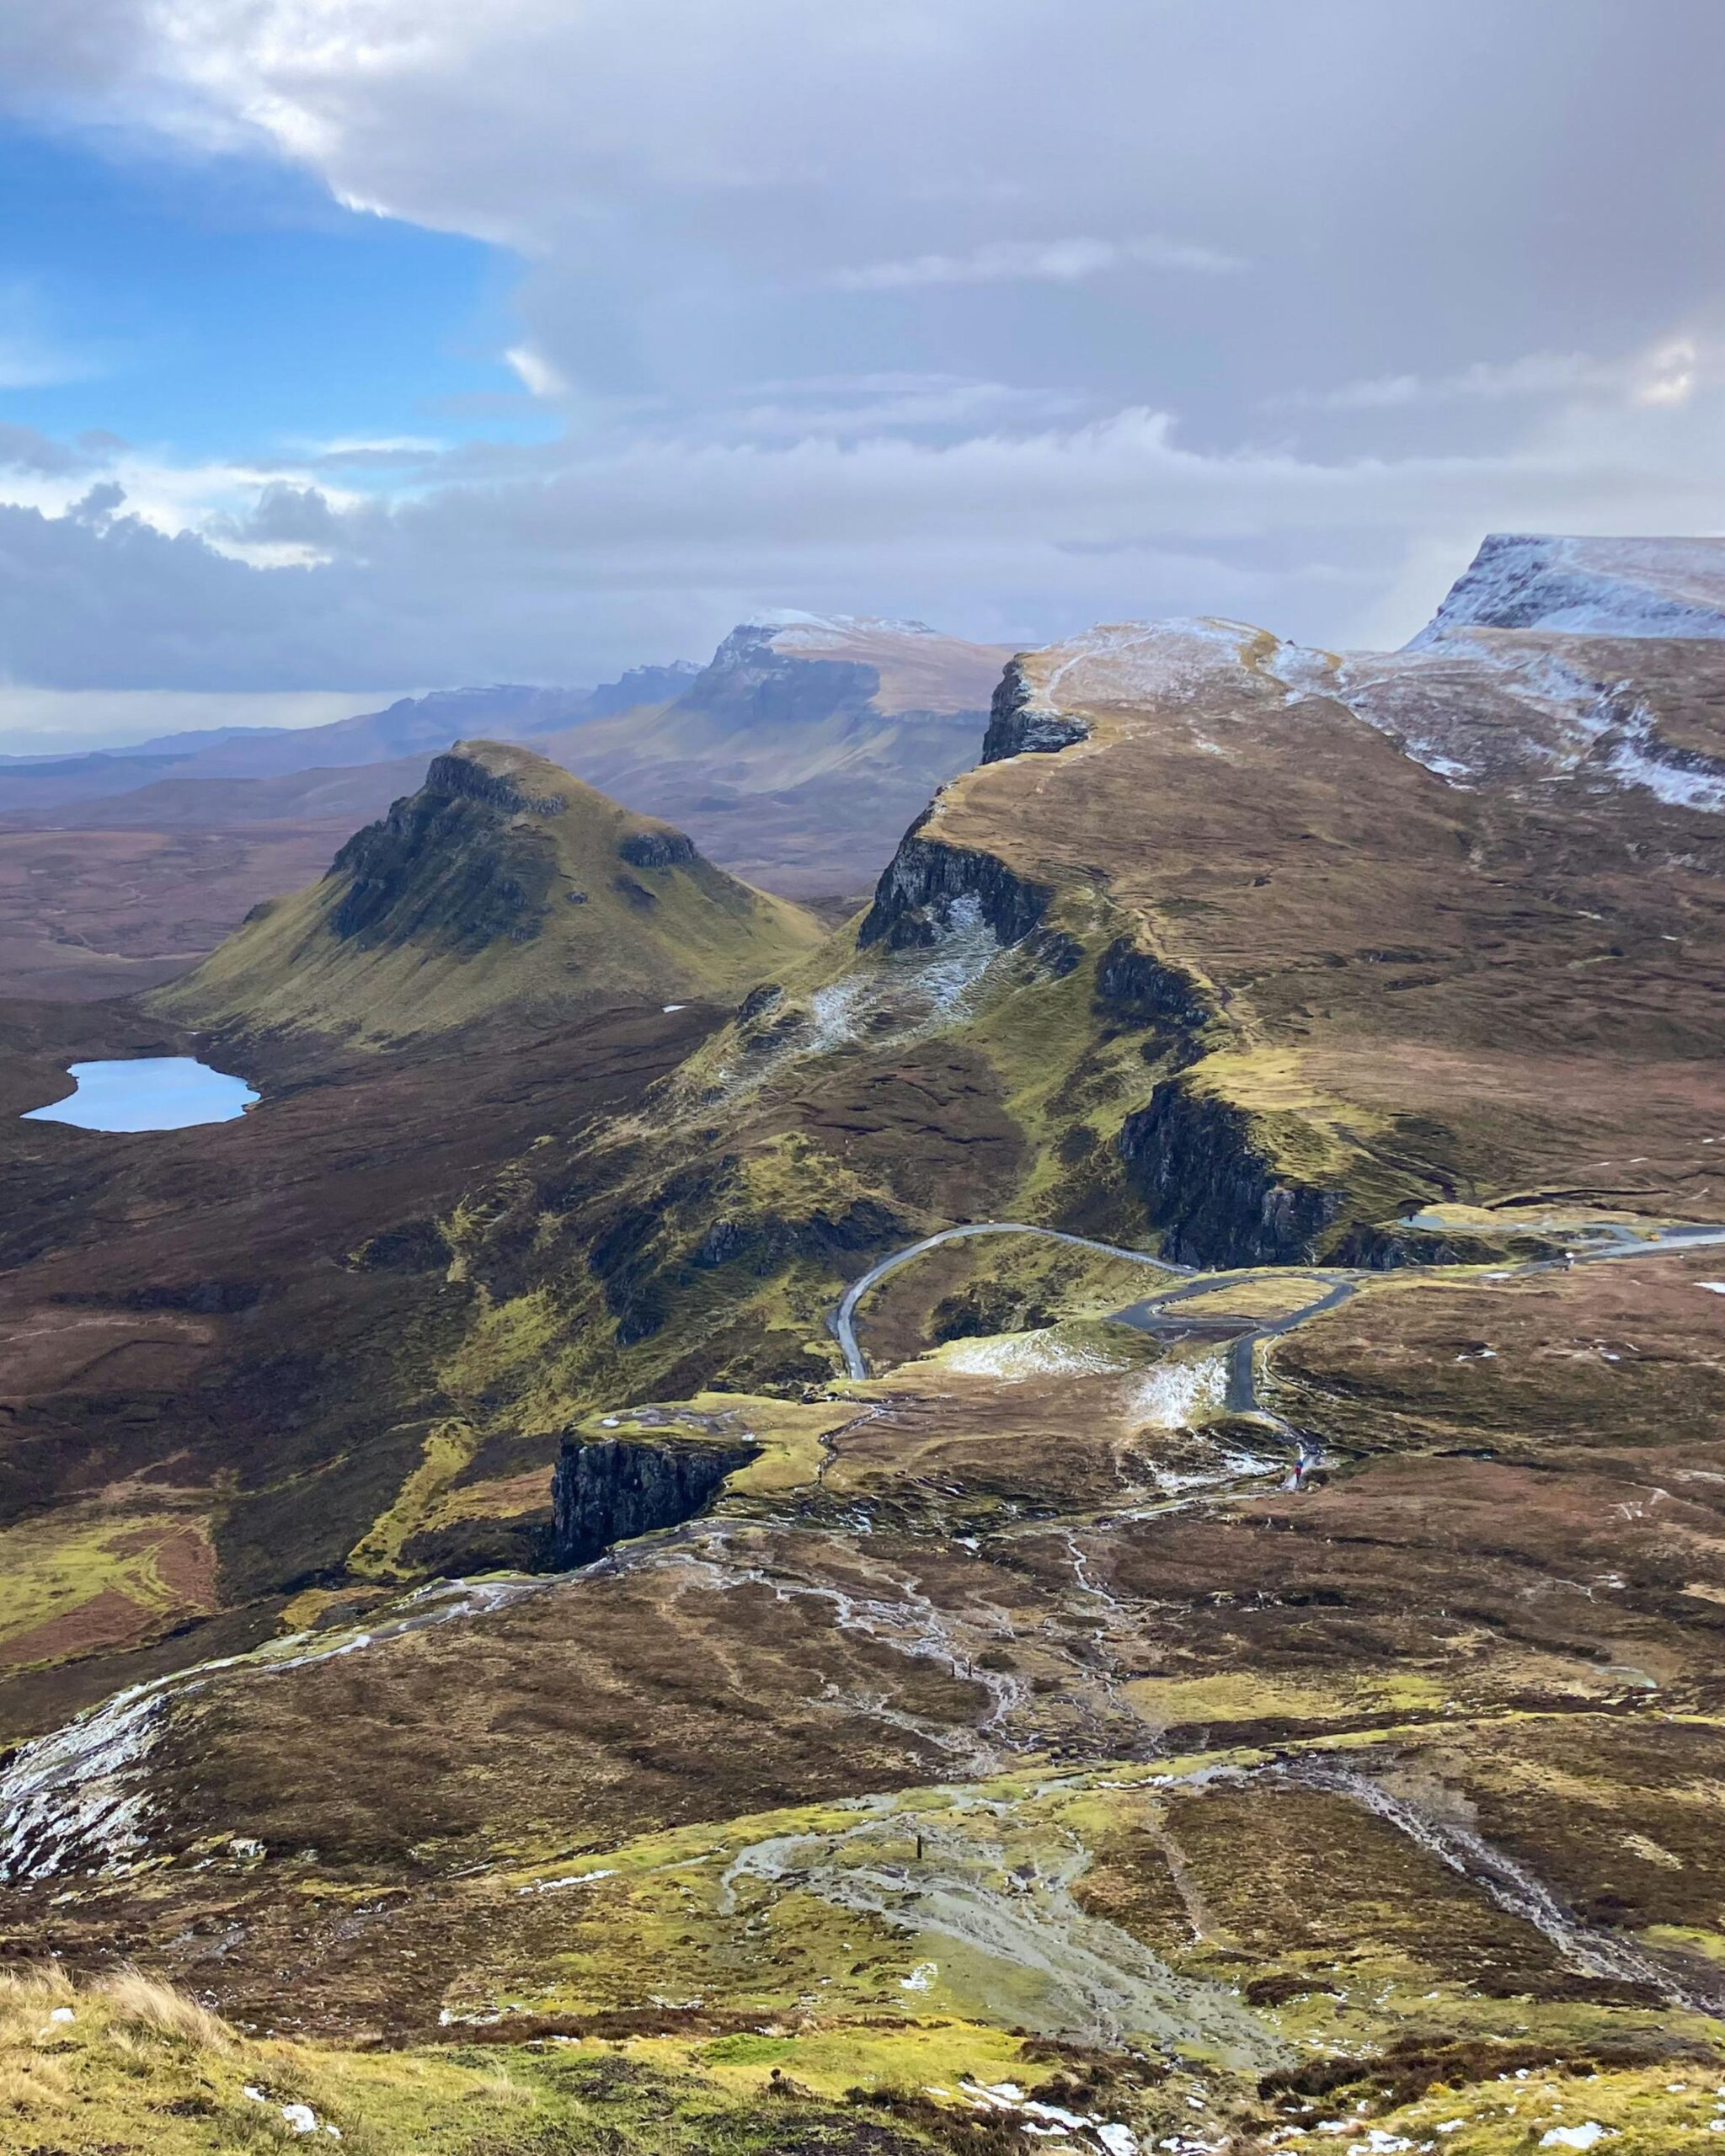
(1010, 316)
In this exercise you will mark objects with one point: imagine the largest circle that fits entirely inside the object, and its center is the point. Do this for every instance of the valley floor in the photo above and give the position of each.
(1301, 1769)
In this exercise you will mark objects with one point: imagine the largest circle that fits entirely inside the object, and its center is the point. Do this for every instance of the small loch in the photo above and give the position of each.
(147, 1092)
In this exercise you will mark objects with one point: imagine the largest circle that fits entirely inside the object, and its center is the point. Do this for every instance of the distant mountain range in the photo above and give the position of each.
(794, 758)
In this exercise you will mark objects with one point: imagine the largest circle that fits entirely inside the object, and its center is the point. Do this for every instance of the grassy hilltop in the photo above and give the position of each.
(502, 889)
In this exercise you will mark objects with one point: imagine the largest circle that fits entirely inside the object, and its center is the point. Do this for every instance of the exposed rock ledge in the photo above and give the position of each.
(458, 863)
(925, 880)
(467, 779)
(608, 1489)
(1218, 1199)
(1135, 984)
(1018, 725)
(661, 848)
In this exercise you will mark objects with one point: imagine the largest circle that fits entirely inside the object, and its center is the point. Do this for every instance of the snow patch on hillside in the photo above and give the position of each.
(1174, 1396)
(1015, 1358)
(1680, 784)
(790, 630)
(1587, 587)
(1139, 662)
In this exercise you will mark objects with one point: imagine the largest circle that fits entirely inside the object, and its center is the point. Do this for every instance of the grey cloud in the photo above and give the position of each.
(1053, 262)
(632, 548)
(284, 514)
(103, 502)
(23, 449)
(1412, 186)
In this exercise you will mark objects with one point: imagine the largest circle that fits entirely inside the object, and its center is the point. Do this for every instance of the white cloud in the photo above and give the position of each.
(539, 377)
(1054, 262)
(1539, 373)
(1666, 374)
(269, 515)
(366, 449)
(1671, 374)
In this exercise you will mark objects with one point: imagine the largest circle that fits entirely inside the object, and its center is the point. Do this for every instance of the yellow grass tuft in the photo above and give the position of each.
(145, 2006)
(33, 2085)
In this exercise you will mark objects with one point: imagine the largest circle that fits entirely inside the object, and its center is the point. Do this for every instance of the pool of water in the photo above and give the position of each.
(147, 1092)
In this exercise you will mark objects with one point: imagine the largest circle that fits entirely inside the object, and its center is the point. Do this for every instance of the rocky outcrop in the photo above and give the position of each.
(758, 1001)
(1054, 952)
(1018, 725)
(455, 864)
(465, 778)
(608, 1489)
(750, 684)
(1216, 1196)
(1374, 1249)
(661, 848)
(1134, 984)
(767, 1242)
(925, 880)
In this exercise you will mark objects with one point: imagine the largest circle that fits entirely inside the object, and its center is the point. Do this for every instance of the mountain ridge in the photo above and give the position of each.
(502, 889)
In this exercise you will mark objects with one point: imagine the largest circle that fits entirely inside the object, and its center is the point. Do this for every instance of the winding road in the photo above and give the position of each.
(1616, 1242)
(842, 1322)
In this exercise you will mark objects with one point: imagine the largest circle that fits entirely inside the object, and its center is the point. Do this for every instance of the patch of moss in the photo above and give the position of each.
(378, 1554)
(94, 1576)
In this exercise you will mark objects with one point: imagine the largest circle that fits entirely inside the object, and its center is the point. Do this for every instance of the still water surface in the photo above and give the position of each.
(147, 1092)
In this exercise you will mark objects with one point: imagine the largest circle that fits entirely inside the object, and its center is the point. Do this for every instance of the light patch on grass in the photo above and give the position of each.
(1243, 1696)
(1015, 1358)
(148, 2007)
(1174, 1396)
(832, 2060)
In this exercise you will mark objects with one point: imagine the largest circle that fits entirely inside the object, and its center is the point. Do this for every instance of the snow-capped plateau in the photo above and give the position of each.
(1587, 587)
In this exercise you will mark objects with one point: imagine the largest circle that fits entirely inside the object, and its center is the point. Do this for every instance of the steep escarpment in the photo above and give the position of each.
(502, 889)
(928, 884)
(1587, 587)
(609, 1489)
(1213, 1187)
(461, 863)
(1358, 1570)
(750, 684)
(1021, 721)
(805, 747)
(1135, 984)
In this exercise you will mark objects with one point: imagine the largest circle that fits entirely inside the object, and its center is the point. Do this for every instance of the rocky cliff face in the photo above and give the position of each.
(1218, 1198)
(1018, 724)
(1587, 587)
(657, 849)
(927, 879)
(751, 684)
(611, 1489)
(458, 863)
(1133, 984)
(465, 778)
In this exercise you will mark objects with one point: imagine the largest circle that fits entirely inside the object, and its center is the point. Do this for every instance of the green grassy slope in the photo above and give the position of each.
(503, 886)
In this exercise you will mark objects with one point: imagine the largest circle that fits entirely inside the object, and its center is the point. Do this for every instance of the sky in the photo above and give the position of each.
(349, 347)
